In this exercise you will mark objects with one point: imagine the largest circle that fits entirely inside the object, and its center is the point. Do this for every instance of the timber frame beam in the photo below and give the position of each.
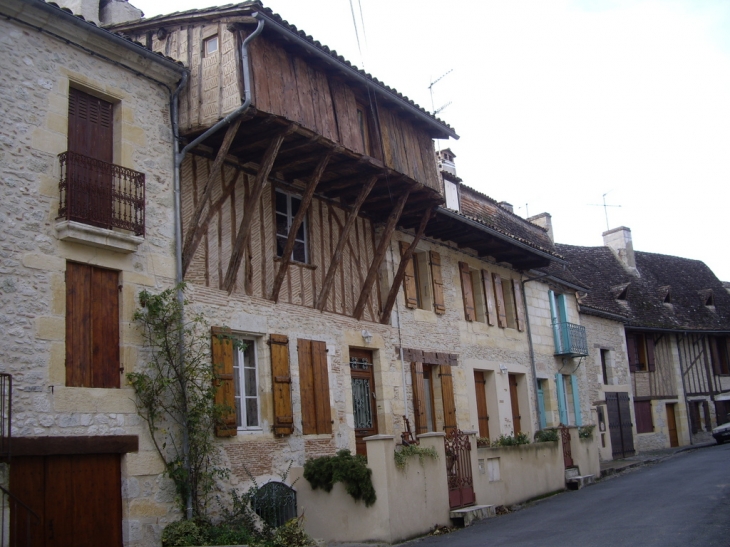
(297, 222)
(380, 253)
(346, 229)
(244, 232)
(400, 274)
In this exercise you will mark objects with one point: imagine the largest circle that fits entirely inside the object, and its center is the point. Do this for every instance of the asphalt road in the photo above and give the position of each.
(682, 501)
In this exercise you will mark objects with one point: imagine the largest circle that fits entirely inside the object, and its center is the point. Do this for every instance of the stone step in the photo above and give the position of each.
(473, 513)
(572, 472)
(576, 483)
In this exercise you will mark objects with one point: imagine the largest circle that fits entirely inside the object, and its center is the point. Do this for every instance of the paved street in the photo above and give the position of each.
(682, 501)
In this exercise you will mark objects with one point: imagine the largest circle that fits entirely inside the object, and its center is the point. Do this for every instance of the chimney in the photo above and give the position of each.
(619, 241)
(88, 9)
(544, 220)
(112, 12)
(506, 206)
(445, 159)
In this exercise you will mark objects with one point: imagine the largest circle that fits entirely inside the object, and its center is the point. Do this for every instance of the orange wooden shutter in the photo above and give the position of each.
(419, 394)
(489, 293)
(516, 418)
(518, 305)
(78, 325)
(314, 387)
(281, 380)
(480, 385)
(438, 283)
(499, 293)
(225, 395)
(409, 281)
(467, 292)
(447, 396)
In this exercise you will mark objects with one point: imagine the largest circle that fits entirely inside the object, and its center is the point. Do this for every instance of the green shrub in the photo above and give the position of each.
(292, 534)
(512, 440)
(546, 435)
(183, 533)
(404, 452)
(586, 431)
(351, 470)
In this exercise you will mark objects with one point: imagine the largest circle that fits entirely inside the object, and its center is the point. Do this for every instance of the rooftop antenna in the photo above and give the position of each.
(605, 207)
(433, 107)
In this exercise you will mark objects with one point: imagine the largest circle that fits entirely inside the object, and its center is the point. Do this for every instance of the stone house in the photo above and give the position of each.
(677, 321)
(312, 228)
(86, 170)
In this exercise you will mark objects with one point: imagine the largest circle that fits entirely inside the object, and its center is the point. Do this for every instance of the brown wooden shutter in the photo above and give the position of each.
(409, 280)
(225, 395)
(447, 396)
(314, 387)
(419, 397)
(632, 351)
(92, 326)
(489, 293)
(281, 380)
(651, 362)
(467, 292)
(438, 283)
(715, 349)
(499, 294)
(480, 385)
(519, 305)
(90, 130)
(515, 402)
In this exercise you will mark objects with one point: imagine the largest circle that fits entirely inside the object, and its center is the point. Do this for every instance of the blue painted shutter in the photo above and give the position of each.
(554, 317)
(576, 399)
(563, 318)
(562, 411)
(541, 405)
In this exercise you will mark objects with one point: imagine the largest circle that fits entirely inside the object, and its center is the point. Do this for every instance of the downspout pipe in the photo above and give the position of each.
(530, 345)
(178, 157)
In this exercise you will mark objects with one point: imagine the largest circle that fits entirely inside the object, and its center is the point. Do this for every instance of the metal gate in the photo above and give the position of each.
(458, 469)
(619, 424)
(567, 453)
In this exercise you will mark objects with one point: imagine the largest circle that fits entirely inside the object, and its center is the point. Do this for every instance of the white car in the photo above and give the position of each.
(722, 433)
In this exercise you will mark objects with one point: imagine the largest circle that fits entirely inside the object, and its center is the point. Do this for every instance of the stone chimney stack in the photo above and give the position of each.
(619, 241)
(88, 9)
(103, 12)
(544, 220)
(507, 206)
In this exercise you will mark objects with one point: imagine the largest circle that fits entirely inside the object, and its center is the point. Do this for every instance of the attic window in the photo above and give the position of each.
(621, 292)
(708, 298)
(667, 298)
(210, 46)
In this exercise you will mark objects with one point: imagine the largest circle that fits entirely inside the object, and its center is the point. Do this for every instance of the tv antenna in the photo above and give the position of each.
(605, 207)
(430, 90)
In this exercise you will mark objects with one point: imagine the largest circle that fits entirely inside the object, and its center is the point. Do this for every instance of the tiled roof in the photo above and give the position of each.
(669, 294)
(479, 207)
(255, 5)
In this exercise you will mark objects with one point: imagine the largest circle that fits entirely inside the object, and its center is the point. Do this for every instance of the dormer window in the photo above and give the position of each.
(666, 294)
(708, 298)
(621, 292)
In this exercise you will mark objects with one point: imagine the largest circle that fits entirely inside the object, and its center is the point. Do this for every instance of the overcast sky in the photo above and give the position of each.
(559, 102)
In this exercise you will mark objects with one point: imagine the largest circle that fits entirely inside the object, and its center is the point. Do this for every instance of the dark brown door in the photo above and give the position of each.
(618, 406)
(90, 134)
(516, 418)
(672, 426)
(76, 498)
(363, 397)
(480, 384)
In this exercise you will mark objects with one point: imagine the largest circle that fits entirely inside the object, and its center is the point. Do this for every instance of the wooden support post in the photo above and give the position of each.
(380, 254)
(297, 222)
(196, 231)
(244, 231)
(398, 279)
(337, 256)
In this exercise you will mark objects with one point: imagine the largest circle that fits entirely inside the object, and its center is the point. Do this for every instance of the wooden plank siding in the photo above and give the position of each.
(292, 87)
(302, 282)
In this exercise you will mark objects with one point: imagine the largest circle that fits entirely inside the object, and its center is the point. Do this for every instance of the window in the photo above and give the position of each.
(287, 207)
(423, 378)
(515, 402)
(421, 291)
(568, 399)
(605, 356)
(720, 351)
(644, 420)
(467, 292)
(314, 387)
(480, 385)
(246, 379)
(92, 326)
(210, 46)
(640, 347)
(508, 295)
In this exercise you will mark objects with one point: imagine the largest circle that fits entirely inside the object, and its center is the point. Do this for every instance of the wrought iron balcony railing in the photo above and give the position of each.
(570, 339)
(6, 412)
(101, 194)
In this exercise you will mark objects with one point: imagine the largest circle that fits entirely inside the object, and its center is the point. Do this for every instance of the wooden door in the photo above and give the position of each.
(480, 383)
(672, 426)
(618, 406)
(516, 418)
(363, 397)
(76, 498)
